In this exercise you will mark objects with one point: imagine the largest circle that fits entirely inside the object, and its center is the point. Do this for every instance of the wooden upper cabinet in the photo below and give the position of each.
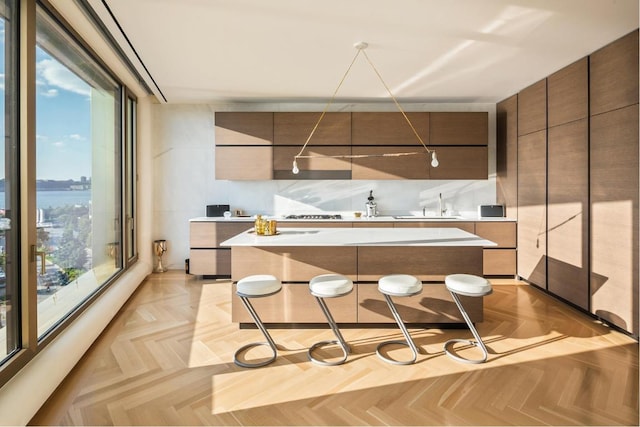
(461, 163)
(295, 128)
(459, 128)
(321, 167)
(244, 128)
(568, 92)
(414, 166)
(507, 155)
(614, 75)
(388, 128)
(244, 163)
(532, 108)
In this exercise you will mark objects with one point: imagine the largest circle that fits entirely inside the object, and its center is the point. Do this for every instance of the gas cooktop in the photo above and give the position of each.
(314, 216)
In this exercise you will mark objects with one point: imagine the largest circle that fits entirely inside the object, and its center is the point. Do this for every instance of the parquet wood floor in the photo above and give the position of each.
(166, 359)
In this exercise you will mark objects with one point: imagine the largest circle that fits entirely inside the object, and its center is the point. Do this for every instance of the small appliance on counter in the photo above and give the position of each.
(217, 210)
(371, 206)
(490, 211)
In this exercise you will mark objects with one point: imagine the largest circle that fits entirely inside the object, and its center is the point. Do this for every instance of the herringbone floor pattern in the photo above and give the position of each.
(167, 360)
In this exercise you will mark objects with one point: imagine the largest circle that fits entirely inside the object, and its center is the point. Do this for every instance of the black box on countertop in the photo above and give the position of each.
(216, 210)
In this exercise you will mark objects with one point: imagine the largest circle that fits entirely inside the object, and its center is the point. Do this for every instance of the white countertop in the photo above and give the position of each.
(381, 218)
(361, 237)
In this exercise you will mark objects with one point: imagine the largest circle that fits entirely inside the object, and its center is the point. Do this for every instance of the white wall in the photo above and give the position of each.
(183, 154)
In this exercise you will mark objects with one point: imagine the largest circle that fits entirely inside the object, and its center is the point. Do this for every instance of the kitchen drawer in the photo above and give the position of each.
(295, 304)
(466, 226)
(210, 234)
(499, 262)
(210, 262)
(433, 305)
(502, 233)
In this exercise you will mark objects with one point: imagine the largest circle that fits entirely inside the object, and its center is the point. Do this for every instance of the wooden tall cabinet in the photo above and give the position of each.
(507, 155)
(614, 157)
(568, 184)
(532, 184)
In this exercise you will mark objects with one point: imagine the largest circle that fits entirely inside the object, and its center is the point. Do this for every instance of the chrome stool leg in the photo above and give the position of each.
(408, 341)
(477, 343)
(340, 340)
(262, 328)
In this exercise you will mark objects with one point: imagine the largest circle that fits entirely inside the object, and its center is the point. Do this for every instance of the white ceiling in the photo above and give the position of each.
(208, 51)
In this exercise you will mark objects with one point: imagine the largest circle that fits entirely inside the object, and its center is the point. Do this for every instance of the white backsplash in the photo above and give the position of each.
(184, 183)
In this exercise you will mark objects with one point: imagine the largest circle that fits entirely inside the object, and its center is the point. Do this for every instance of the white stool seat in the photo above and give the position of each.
(258, 285)
(399, 285)
(468, 285)
(330, 285)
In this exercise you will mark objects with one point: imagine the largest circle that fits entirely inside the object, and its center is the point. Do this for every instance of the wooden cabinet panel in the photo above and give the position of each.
(433, 305)
(532, 201)
(568, 212)
(211, 234)
(614, 217)
(466, 226)
(388, 128)
(373, 224)
(426, 263)
(459, 128)
(313, 168)
(532, 108)
(294, 304)
(213, 262)
(293, 264)
(568, 92)
(502, 233)
(461, 163)
(244, 163)
(294, 129)
(499, 262)
(244, 128)
(614, 75)
(507, 155)
(402, 167)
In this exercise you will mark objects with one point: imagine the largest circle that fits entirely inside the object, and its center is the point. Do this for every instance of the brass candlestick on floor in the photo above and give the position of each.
(159, 248)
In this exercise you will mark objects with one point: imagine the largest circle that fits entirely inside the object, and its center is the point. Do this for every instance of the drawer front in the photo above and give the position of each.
(214, 262)
(466, 226)
(211, 234)
(499, 262)
(503, 233)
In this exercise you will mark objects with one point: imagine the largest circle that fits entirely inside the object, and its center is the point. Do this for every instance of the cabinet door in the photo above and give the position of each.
(466, 226)
(568, 212)
(244, 128)
(459, 128)
(461, 163)
(210, 262)
(295, 128)
(389, 128)
(321, 167)
(614, 75)
(499, 262)
(532, 108)
(244, 163)
(502, 233)
(532, 207)
(614, 217)
(378, 166)
(568, 92)
(209, 234)
(507, 155)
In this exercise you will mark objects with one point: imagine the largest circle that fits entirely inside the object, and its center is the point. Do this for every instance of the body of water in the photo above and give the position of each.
(54, 199)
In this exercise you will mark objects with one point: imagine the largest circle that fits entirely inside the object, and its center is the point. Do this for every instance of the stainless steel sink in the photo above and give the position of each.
(430, 218)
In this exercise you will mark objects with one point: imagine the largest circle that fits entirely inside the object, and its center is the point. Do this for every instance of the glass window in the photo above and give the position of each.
(9, 213)
(78, 172)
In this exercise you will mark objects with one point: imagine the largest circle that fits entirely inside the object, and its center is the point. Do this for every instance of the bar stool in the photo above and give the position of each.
(471, 286)
(257, 286)
(330, 286)
(399, 285)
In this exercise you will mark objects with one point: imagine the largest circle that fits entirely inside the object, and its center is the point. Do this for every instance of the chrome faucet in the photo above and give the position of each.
(441, 207)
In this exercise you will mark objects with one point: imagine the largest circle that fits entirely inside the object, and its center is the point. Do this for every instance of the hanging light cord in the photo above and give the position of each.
(361, 48)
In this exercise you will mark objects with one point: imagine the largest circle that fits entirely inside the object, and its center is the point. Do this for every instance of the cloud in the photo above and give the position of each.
(59, 144)
(50, 93)
(42, 137)
(76, 137)
(55, 74)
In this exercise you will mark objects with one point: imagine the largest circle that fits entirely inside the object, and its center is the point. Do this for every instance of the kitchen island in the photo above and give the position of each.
(295, 255)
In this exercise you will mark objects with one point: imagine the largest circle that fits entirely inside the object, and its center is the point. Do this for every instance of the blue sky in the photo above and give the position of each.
(62, 119)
